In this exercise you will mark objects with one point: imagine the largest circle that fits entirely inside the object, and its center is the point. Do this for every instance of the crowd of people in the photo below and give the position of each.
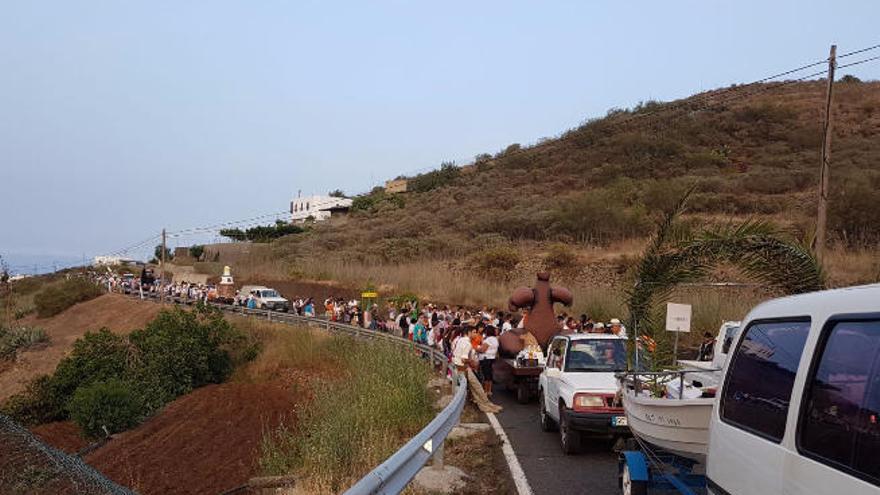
(467, 336)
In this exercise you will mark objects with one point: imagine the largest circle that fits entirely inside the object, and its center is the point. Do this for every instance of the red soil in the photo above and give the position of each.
(205, 442)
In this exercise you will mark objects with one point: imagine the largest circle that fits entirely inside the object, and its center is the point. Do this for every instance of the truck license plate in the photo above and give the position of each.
(618, 421)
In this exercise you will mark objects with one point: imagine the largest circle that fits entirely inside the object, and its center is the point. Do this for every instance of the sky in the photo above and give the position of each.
(118, 119)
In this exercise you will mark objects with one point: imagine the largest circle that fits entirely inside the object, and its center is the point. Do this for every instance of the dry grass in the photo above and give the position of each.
(852, 267)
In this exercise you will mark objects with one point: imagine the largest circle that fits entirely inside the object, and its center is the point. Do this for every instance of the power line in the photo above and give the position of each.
(859, 51)
(859, 62)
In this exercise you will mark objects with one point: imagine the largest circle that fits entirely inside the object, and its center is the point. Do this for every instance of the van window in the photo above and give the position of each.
(758, 386)
(839, 422)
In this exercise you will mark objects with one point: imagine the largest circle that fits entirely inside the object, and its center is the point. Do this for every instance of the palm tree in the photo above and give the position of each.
(761, 251)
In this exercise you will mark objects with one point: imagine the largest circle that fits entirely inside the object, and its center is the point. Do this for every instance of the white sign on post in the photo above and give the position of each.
(678, 317)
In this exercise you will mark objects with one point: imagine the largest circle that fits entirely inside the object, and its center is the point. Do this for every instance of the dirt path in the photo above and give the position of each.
(116, 312)
(205, 442)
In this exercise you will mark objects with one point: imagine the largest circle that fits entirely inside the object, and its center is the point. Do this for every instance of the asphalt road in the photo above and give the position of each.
(548, 470)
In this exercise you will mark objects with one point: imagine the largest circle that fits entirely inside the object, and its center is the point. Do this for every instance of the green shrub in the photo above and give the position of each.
(176, 352)
(40, 402)
(56, 298)
(182, 350)
(13, 339)
(447, 173)
(97, 356)
(196, 251)
(111, 404)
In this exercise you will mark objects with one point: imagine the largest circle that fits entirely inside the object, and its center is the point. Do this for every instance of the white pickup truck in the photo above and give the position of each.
(578, 391)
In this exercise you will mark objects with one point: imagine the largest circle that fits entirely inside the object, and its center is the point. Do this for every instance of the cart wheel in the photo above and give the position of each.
(522, 393)
(628, 486)
(569, 440)
(547, 423)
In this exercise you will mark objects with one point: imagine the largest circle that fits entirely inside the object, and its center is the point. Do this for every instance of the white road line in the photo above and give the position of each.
(516, 471)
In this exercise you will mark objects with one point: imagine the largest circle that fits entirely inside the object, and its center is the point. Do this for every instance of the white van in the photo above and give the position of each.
(798, 411)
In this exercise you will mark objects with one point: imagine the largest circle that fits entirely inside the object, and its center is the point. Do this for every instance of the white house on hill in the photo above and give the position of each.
(318, 207)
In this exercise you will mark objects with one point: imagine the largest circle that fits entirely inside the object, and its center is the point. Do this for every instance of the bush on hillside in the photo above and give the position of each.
(597, 218)
(56, 298)
(196, 251)
(853, 213)
(497, 262)
(434, 179)
(38, 403)
(175, 353)
(560, 258)
(14, 339)
(182, 350)
(97, 356)
(111, 404)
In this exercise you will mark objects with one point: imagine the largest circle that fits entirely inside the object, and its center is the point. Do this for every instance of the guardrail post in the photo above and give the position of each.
(269, 315)
(438, 456)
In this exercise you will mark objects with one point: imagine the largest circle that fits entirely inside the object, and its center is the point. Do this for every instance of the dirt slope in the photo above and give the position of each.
(204, 442)
(116, 312)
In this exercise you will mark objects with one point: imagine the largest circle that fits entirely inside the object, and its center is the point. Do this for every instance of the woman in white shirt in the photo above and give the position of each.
(487, 358)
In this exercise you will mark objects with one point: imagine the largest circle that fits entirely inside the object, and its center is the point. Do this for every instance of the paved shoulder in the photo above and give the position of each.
(548, 470)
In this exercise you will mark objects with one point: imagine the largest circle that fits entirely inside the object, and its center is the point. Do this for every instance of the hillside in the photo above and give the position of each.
(589, 198)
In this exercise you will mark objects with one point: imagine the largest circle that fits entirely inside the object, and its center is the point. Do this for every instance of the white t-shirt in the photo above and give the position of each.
(461, 351)
(491, 347)
(507, 326)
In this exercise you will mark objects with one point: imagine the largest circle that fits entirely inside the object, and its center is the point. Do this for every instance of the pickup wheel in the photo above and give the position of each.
(569, 440)
(547, 423)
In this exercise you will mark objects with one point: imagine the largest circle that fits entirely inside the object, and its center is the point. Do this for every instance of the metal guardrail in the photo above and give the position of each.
(393, 475)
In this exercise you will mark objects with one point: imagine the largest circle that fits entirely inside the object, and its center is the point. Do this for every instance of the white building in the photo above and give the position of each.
(318, 207)
(112, 260)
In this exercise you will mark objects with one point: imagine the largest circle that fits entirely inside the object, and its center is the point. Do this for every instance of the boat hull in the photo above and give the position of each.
(680, 426)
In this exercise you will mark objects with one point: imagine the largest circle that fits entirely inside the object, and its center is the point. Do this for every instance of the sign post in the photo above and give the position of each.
(678, 319)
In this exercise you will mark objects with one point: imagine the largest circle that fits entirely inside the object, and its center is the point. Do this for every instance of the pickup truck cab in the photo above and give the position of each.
(798, 411)
(577, 389)
(264, 297)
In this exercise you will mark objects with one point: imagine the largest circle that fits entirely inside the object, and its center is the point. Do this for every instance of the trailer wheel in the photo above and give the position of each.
(629, 486)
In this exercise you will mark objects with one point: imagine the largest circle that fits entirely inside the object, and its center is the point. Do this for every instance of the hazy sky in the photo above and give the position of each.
(120, 118)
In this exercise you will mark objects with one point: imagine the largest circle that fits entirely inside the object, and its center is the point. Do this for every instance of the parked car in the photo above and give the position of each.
(264, 297)
(798, 411)
(577, 391)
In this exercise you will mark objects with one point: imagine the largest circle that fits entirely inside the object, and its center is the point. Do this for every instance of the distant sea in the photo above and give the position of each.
(36, 264)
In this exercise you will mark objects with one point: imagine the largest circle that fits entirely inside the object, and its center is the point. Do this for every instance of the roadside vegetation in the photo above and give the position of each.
(55, 298)
(111, 382)
(365, 400)
(15, 339)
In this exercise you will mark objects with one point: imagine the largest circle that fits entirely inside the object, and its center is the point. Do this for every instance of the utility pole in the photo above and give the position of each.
(825, 170)
(162, 271)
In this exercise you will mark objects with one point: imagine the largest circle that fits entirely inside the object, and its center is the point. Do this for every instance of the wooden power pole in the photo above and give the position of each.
(162, 270)
(825, 170)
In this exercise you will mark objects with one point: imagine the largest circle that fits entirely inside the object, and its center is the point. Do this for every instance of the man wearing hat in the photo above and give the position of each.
(617, 328)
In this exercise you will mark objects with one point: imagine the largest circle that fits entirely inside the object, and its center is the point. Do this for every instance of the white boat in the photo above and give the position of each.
(677, 421)
(676, 425)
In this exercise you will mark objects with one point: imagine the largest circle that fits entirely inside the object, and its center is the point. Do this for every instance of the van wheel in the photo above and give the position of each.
(569, 440)
(628, 486)
(547, 423)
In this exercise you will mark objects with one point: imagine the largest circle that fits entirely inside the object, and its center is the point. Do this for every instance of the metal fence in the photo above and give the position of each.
(392, 476)
(29, 466)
